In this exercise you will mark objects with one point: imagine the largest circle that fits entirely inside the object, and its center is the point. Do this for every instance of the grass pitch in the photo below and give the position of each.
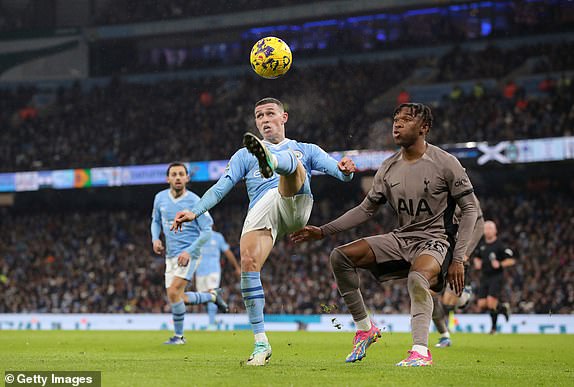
(299, 359)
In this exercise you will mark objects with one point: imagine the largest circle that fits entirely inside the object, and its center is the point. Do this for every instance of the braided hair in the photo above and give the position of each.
(417, 110)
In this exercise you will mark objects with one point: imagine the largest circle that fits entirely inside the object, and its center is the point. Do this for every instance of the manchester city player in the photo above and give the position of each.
(277, 172)
(183, 249)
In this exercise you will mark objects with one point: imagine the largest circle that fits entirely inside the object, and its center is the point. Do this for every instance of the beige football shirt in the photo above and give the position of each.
(422, 192)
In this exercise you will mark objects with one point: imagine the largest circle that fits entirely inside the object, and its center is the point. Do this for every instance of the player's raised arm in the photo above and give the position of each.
(205, 222)
(321, 161)
(180, 218)
(307, 233)
(234, 172)
(350, 219)
(347, 166)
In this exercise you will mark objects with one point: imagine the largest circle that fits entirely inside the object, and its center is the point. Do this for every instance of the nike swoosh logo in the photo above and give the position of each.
(395, 184)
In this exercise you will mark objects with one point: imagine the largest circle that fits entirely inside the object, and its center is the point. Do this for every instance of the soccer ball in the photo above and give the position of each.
(271, 57)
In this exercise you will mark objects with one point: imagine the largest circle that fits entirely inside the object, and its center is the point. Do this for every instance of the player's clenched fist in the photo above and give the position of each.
(158, 247)
(347, 166)
(180, 218)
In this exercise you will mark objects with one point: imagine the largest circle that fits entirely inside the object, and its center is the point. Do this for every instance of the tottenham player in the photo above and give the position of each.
(423, 184)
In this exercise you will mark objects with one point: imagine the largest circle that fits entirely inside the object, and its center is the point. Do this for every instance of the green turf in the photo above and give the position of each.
(299, 358)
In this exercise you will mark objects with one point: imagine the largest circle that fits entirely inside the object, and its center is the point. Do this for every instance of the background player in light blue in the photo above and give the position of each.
(277, 172)
(208, 274)
(183, 250)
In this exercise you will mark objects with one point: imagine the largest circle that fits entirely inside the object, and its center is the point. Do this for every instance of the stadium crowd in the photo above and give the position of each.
(126, 123)
(102, 262)
(495, 62)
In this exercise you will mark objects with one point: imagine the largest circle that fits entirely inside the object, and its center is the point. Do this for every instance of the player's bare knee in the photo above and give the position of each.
(173, 294)
(248, 262)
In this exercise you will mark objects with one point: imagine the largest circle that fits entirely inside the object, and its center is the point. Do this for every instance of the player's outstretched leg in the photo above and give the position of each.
(283, 162)
(260, 151)
(254, 299)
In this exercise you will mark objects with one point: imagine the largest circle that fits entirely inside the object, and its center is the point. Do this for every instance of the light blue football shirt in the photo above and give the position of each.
(211, 255)
(193, 235)
(243, 166)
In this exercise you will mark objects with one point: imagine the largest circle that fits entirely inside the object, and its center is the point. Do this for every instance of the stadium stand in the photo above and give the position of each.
(127, 123)
(100, 261)
(493, 79)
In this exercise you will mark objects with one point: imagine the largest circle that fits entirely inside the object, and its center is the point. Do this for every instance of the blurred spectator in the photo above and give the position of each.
(510, 89)
(456, 93)
(403, 97)
(27, 113)
(564, 83)
(522, 104)
(478, 90)
(547, 85)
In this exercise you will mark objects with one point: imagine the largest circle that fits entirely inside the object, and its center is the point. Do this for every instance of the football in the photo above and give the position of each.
(271, 57)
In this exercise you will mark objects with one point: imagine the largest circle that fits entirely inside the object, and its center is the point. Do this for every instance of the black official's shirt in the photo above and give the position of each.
(488, 252)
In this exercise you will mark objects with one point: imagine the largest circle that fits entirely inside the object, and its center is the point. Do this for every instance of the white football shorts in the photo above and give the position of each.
(172, 269)
(203, 283)
(279, 214)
